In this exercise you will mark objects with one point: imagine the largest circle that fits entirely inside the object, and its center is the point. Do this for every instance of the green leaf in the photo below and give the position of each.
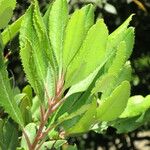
(20, 148)
(82, 85)
(53, 144)
(119, 60)
(121, 28)
(74, 114)
(1, 43)
(35, 109)
(107, 80)
(84, 124)
(129, 39)
(125, 74)
(10, 32)
(111, 107)
(46, 16)
(58, 18)
(28, 91)
(6, 11)
(71, 147)
(67, 105)
(122, 34)
(90, 56)
(9, 139)
(136, 105)
(25, 105)
(7, 100)
(35, 49)
(76, 30)
(30, 130)
(103, 83)
(126, 125)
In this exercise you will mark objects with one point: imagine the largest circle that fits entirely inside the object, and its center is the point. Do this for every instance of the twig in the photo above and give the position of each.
(42, 110)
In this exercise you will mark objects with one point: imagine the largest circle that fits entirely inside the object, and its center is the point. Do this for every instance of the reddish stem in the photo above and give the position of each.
(53, 104)
(49, 112)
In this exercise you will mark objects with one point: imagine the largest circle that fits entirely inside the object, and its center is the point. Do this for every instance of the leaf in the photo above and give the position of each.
(20, 148)
(121, 28)
(9, 139)
(35, 50)
(1, 43)
(76, 30)
(25, 105)
(6, 11)
(125, 74)
(122, 33)
(67, 105)
(84, 124)
(53, 144)
(6, 95)
(107, 80)
(10, 32)
(119, 60)
(58, 18)
(110, 108)
(35, 109)
(74, 114)
(82, 85)
(30, 127)
(90, 55)
(76, 109)
(136, 105)
(103, 83)
(46, 16)
(28, 91)
(70, 147)
(129, 39)
(126, 125)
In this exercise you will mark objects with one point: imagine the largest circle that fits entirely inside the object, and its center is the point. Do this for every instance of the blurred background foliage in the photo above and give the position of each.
(114, 13)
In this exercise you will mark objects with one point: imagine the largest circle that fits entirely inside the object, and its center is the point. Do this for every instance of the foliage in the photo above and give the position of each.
(79, 74)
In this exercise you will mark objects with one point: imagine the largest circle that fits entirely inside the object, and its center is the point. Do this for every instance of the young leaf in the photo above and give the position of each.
(25, 105)
(110, 108)
(6, 95)
(58, 19)
(6, 11)
(78, 25)
(90, 56)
